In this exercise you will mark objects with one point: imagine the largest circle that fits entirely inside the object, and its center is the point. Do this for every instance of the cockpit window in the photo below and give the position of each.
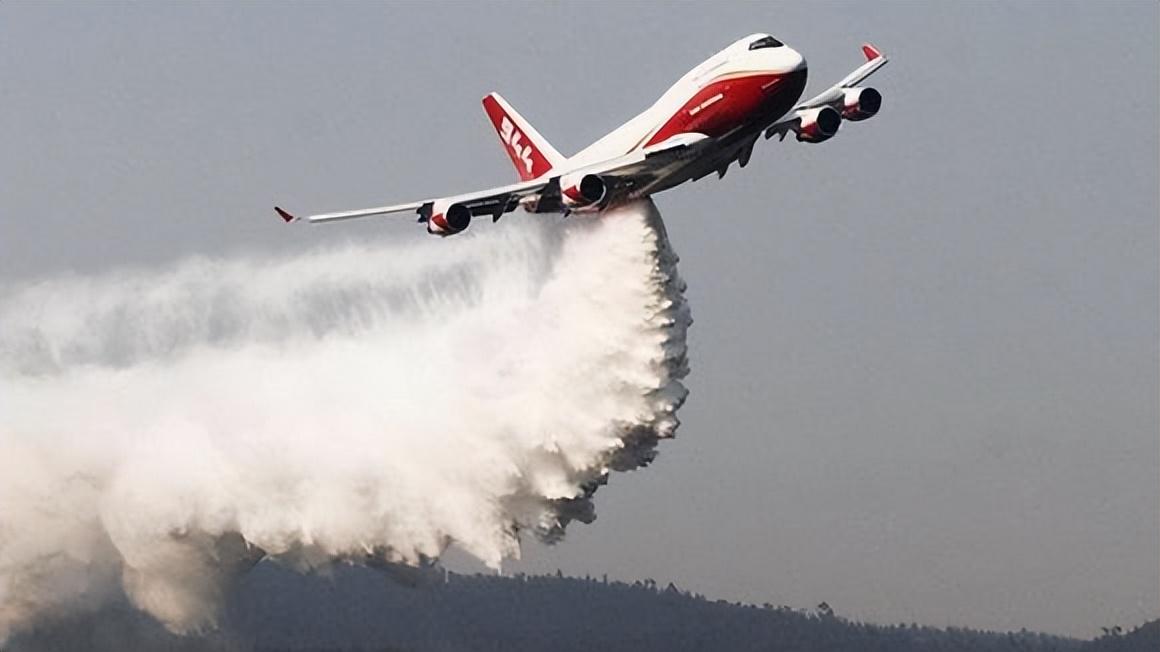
(765, 42)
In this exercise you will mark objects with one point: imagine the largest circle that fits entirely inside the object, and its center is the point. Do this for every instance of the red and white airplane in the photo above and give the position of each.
(711, 117)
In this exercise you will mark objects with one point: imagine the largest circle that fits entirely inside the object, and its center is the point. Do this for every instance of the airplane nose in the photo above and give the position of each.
(797, 61)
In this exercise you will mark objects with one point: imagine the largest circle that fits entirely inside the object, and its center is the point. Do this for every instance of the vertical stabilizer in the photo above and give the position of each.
(530, 153)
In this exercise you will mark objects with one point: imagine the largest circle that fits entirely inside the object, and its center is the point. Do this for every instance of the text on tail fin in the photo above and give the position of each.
(531, 155)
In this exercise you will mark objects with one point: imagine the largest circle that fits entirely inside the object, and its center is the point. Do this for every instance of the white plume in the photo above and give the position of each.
(160, 430)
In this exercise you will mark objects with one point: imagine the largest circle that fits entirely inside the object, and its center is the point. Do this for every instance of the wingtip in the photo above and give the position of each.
(871, 51)
(286, 217)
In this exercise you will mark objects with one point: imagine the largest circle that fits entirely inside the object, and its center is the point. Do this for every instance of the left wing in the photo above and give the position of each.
(492, 201)
(832, 96)
(874, 60)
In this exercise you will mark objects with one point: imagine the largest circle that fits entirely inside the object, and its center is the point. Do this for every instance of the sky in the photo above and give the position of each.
(924, 369)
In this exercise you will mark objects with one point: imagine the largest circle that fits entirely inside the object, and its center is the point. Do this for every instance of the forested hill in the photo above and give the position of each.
(357, 609)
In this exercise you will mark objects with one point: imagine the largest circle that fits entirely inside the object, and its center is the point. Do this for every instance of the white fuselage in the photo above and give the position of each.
(733, 63)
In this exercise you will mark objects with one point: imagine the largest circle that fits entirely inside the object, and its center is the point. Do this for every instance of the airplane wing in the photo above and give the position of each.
(636, 171)
(632, 169)
(492, 201)
(832, 95)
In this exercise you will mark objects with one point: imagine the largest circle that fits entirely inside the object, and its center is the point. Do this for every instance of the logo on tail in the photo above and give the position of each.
(532, 156)
(512, 137)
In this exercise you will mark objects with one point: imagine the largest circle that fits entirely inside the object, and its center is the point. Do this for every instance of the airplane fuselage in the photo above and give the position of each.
(727, 91)
(727, 99)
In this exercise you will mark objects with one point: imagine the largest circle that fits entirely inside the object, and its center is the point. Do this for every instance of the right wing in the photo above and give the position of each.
(492, 201)
(634, 169)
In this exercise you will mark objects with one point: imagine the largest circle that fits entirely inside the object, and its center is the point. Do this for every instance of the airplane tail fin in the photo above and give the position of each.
(530, 153)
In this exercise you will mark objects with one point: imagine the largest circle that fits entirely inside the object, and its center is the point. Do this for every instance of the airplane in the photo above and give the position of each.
(711, 117)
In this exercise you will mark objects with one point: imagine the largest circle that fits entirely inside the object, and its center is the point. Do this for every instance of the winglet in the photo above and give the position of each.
(870, 51)
(287, 217)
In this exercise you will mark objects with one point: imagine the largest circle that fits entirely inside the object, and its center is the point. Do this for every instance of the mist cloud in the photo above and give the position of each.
(161, 430)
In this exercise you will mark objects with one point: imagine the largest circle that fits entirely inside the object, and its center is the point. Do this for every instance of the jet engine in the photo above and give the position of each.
(861, 103)
(445, 218)
(583, 192)
(819, 124)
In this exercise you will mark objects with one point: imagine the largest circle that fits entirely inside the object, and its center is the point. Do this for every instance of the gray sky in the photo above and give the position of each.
(924, 365)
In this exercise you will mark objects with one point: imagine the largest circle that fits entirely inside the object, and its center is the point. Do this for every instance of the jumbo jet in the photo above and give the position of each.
(711, 117)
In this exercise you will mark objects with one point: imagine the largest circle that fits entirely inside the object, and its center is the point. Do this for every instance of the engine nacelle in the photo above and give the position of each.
(583, 192)
(446, 218)
(819, 124)
(861, 103)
